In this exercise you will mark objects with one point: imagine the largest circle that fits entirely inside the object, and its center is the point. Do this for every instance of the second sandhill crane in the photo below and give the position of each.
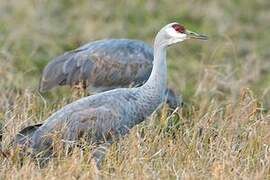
(99, 118)
(104, 65)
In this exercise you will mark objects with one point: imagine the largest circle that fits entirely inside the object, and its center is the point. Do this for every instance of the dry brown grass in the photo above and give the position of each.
(219, 141)
(223, 130)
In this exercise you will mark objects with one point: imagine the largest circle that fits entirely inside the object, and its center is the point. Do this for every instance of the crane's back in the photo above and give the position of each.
(103, 65)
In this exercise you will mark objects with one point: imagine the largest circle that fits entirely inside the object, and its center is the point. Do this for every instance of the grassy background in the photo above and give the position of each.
(221, 133)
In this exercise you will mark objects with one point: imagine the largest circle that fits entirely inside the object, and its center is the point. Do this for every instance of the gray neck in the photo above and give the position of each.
(155, 86)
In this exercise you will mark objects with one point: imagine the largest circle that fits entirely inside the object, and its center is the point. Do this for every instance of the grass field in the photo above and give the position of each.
(223, 130)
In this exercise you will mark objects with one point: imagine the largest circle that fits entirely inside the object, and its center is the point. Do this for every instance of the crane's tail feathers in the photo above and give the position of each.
(26, 134)
(22, 139)
(173, 99)
(68, 69)
(52, 74)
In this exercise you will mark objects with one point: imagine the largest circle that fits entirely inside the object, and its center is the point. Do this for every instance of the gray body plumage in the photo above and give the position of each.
(98, 117)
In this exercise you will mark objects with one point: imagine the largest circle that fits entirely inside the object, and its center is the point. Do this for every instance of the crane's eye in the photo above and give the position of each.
(179, 28)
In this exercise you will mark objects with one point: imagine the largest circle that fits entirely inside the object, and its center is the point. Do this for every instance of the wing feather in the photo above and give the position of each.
(93, 123)
(114, 62)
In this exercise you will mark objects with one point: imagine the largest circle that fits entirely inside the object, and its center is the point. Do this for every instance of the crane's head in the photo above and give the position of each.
(174, 32)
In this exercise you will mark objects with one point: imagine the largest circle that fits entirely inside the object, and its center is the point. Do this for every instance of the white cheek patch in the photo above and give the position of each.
(171, 32)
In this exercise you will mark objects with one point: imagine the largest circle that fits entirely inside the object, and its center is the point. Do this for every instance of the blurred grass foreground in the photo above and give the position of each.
(222, 132)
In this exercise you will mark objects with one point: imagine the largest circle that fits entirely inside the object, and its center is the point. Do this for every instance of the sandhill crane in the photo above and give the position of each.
(100, 117)
(103, 65)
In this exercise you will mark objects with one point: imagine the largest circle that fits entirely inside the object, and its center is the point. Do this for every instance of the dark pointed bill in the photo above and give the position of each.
(193, 35)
